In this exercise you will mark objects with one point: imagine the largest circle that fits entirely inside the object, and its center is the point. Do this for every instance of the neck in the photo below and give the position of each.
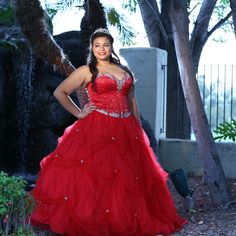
(103, 62)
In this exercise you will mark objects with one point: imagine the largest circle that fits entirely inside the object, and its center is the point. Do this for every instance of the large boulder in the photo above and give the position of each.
(47, 119)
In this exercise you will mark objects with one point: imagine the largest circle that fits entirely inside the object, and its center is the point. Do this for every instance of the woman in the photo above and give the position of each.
(103, 179)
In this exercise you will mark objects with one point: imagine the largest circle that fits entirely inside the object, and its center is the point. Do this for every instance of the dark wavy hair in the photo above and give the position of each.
(92, 61)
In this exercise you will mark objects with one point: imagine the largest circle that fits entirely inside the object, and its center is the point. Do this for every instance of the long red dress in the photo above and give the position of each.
(103, 178)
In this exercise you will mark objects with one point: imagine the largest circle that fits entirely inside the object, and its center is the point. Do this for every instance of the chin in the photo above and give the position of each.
(104, 58)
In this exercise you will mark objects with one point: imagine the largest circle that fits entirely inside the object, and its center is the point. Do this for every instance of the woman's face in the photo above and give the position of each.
(102, 48)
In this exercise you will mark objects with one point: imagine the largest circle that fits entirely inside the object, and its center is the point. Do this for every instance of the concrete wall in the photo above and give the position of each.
(147, 66)
(176, 153)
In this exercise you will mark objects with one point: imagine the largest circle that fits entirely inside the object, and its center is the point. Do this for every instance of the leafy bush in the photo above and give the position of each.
(15, 206)
(226, 130)
(7, 15)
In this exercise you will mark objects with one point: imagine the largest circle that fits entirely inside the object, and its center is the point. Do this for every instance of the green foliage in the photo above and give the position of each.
(114, 18)
(15, 206)
(61, 5)
(226, 130)
(125, 31)
(225, 2)
(7, 16)
(130, 5)
(220, 11)
(8, 45)
(51, 12)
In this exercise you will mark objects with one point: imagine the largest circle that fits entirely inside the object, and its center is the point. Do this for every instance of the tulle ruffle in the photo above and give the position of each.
(103, 180)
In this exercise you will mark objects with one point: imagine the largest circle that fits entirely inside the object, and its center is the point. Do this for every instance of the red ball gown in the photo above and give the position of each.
(103, 178)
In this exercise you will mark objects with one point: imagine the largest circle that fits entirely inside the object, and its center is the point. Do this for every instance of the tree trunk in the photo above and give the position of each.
(93, 19)
(150, 12)
(213, 170)
(32, 22)
(30, 15)
(177, 119)
(233, 8)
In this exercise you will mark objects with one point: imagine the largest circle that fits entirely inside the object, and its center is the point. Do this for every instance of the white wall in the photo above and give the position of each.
(147, 66)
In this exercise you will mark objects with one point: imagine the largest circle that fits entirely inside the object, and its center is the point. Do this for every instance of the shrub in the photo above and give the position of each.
(15, 206)
(226, 130)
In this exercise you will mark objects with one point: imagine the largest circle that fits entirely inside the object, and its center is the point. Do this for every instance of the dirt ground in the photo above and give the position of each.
(204, 219)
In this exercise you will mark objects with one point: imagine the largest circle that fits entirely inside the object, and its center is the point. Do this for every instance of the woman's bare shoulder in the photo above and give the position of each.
(83, 69)
(83, 72)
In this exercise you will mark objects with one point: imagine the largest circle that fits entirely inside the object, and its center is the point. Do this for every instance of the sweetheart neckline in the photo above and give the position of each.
(113, 76)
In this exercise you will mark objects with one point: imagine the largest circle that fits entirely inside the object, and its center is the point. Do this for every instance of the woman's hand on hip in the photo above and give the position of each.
(87, 109)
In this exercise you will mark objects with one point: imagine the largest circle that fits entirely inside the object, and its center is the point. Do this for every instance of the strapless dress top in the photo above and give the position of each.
(110, 94)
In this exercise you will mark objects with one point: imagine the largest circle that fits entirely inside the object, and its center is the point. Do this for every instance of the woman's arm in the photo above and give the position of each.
(75, 80)
(133, 104)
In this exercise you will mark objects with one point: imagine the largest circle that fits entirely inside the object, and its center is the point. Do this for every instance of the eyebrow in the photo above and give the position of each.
(102, 43)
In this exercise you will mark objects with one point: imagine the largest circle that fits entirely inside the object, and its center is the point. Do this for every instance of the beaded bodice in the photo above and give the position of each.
(110, 94)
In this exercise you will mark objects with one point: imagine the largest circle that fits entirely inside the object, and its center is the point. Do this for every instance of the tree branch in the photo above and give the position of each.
(202, 22)
(233, 8)
(162, 29)
(219, 23)
(193, 8)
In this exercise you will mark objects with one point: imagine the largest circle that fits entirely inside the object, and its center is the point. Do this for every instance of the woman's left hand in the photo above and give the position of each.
(87, 109)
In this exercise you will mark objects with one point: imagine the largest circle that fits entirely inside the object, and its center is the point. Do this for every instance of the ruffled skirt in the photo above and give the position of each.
(103, 180)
